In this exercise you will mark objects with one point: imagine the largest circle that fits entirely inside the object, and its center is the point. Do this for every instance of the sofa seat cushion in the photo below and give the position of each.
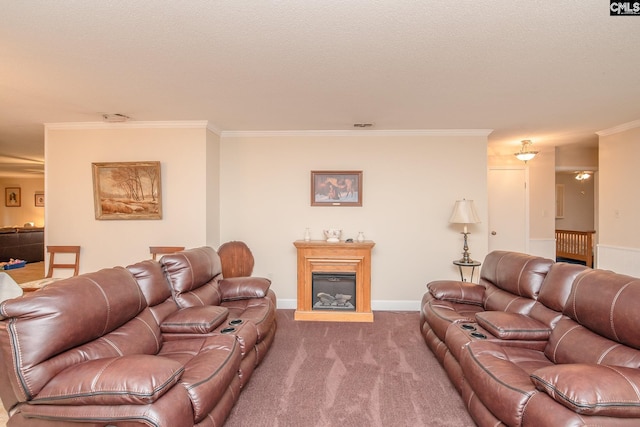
(128, 380)
(235, 288)
(210, 365)
(592, 389)
(500, 377)
(194, 320)
(261, 312)
(513, 326)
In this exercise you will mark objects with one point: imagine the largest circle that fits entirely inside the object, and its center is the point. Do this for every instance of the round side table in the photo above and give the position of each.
(472, 264)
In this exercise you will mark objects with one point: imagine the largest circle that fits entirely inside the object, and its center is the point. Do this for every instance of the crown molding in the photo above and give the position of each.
(620, 128)
(336, 133)
(182, 124)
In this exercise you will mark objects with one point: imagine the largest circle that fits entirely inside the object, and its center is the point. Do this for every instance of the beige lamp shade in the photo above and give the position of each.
(464, 212)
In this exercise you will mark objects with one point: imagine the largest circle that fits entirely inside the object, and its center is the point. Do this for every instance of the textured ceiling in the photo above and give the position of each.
(551, 71)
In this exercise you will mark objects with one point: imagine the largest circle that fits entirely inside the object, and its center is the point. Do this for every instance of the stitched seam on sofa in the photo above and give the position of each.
(607, 351)
(106, 300)
(113, 345)
(154, 422)
(510, 387)
(151, 330)
(17, 358)
(214, 373)
(562, 337)
(155, 391)
(631, 383)
(581, 404)
(613, 304)
(511, 302)
(520, 277)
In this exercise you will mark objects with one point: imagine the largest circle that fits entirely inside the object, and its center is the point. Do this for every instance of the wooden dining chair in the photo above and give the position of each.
(55, 250)
(236, 259)
(163, 250)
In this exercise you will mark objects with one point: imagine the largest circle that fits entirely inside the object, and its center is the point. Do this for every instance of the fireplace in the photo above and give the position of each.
(334, 291)
(334, 281)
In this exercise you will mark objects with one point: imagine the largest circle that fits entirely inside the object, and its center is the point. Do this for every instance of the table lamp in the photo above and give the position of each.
(464, 212)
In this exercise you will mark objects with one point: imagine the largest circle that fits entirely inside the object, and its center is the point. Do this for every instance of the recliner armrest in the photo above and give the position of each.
(455, 291)
(235, 288)
(198, 320)
(513, 326)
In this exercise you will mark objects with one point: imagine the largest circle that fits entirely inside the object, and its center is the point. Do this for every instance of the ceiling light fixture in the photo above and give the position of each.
(115, 118)
(581, 176)
(526, 153)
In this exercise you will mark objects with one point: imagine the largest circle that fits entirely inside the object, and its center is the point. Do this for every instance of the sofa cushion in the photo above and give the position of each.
(516, 273)
(235, 288)
(592, 389)
(195, 320)
(454, 291)
(512, 326)
(127, 380)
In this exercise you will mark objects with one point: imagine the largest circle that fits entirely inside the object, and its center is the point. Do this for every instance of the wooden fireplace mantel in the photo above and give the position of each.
(319, 256)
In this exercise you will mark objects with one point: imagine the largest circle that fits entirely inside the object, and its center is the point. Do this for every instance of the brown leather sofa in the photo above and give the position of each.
(117, 347)
(25, 243)
(538, 343)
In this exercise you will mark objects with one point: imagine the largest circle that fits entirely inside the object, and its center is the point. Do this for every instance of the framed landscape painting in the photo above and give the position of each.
(127, 190)
(336, 188)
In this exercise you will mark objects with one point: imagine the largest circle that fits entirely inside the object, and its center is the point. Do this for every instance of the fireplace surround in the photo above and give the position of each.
(334, 263)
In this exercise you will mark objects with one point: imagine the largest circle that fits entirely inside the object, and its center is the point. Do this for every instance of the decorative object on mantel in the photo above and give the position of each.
(12, 197)
(464, 212)
(127, 190)
(307, 235)
(336, 188)
(526, 153)
(360, 237)
(333, 235)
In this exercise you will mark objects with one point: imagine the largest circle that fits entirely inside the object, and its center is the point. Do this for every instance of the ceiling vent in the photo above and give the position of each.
(115, 118)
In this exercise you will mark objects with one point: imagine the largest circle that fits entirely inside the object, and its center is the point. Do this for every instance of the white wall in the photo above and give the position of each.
(410, 186)
(619, 204)
(69, 151)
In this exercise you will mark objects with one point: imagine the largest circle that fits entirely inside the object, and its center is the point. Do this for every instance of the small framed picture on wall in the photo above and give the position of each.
(12, 197)
(39, 200)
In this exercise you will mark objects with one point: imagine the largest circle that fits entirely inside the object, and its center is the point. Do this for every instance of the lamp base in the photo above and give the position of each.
(466, 256)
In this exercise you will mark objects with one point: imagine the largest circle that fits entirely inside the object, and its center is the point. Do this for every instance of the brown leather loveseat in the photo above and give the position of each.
(538, 343)
(115, 348)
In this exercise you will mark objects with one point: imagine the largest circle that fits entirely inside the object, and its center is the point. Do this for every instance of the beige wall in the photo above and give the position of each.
(181, 149)
(27, 212)
(578, 203)
(255, 187)
(410, 186)
(619, 204)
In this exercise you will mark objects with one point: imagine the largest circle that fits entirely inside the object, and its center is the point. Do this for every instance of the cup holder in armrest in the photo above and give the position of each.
(478, 335)
(468, 327)
(227, 330)
(235, 321)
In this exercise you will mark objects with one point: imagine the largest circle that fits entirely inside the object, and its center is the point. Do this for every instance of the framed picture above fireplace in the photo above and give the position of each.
(336, 188)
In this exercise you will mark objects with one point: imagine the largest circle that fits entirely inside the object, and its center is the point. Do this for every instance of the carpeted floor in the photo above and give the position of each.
(349, 374)
(319, 374)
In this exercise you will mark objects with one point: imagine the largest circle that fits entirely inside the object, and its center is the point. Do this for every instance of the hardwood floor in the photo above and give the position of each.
(31, 271)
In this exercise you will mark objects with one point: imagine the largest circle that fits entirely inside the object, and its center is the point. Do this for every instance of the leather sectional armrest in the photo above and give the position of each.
(590, 389)
(128, 380)
(454, 291)
(513, 326)
(198, 320)
(236, 288)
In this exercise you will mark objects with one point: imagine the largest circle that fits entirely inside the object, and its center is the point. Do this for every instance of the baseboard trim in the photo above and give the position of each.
(376, 305)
